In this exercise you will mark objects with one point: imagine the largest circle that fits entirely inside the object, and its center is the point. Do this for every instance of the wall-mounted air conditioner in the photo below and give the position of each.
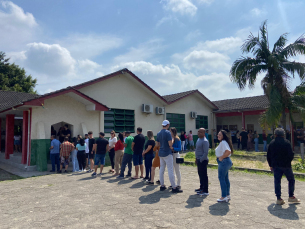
(147, 108)
(193, 114)
(160, 110)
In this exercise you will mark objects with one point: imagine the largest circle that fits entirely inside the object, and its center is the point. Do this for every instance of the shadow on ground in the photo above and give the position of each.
(219, 209)
(194, 201)
(155, 197)
(284, 213)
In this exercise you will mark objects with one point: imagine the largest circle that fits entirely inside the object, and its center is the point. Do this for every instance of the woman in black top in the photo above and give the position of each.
(148, 154)
(182, 138)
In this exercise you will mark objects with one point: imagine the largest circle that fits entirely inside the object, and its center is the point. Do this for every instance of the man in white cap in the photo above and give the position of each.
(164, 140)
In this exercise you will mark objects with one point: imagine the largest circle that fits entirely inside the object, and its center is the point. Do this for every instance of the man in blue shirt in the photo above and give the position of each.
(165, 141)
(54, 153)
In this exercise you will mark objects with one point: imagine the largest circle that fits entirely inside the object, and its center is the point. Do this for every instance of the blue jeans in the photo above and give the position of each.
(265, 146)
(256, 144)
(55, 160)
(127, 159)
(74, 160)
(137, 159)
(223, 175)
(278, 173)
(148, 164)
(99, 158)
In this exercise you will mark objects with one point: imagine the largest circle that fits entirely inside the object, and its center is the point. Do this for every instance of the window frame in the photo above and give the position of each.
(176, 120)
(119, 120)
(202, 121)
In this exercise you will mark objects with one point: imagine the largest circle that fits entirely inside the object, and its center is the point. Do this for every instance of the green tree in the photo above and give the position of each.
(14, 78)
(276, 66)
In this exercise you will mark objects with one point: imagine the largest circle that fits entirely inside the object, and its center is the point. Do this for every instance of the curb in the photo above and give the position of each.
(300, 175)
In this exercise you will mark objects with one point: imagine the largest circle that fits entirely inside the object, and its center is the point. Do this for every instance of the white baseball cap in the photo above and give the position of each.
(165, 123)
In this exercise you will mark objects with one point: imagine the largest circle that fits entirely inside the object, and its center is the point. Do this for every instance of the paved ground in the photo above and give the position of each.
(79, 201)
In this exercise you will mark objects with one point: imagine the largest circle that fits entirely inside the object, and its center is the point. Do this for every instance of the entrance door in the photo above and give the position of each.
(250, 127)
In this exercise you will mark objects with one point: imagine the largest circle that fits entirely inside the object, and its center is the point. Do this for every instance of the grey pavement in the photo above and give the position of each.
(80, 201)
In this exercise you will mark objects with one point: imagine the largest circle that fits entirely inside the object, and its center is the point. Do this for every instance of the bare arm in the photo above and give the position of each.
(157, 144)
(107, 148)
(132, 145)
(147, 150)
(225, 155)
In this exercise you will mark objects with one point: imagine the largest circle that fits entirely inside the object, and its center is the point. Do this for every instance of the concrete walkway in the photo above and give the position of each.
(79, 201)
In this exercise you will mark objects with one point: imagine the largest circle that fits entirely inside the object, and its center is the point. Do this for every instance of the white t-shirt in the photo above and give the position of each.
(17, 138)
(112, 141)
(221, 148)
(87, 145)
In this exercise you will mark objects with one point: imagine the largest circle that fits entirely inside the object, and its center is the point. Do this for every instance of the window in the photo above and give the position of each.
(202, 122)
(119, 120)
(176, 120)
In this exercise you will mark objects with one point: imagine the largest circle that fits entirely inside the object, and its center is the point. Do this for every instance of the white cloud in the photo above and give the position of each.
(205, 60)
(224, 44)
(193, 35)
(91, 45)
(205, 1)
(184, 7)
(258, 12)
(17, 27)
(142, 52)
(168, 19)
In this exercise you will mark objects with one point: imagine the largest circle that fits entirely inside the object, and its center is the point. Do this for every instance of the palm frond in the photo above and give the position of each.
(294, 49)
(295, 67)
(280, 43)
(250, 44)
(264, 36)
(245, 70)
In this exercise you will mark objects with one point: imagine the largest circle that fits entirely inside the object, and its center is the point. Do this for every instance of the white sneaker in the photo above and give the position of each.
(84, 170)
(203, 193)
(223, 200)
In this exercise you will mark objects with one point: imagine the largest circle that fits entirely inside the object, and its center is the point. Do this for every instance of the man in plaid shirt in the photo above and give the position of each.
(65, 149)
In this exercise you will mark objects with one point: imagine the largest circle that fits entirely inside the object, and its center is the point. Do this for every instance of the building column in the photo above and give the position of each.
(9, 137)
(243, 118)
(25, 128)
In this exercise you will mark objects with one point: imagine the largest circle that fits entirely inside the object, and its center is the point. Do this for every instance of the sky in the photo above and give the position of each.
(172, 45)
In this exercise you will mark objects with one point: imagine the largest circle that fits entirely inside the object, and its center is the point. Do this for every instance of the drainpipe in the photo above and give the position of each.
(28, 146)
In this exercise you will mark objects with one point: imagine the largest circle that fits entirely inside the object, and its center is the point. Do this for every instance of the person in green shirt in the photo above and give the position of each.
(127, 158)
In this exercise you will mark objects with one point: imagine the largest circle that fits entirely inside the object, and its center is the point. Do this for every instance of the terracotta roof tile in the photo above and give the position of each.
(10, 99)
(173, 97)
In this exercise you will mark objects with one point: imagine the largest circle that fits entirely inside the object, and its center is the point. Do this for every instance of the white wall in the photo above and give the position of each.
(64, 109)
(124, 92)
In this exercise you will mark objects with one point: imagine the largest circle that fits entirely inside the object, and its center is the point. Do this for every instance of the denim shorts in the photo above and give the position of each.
(99, 158)
(137, 159)
(17, 142)
(191, 143)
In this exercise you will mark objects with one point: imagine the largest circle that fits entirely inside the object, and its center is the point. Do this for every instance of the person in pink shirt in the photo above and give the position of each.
(190, 140)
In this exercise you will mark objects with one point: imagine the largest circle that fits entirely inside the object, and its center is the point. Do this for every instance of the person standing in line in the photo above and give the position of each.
(74, 155)
(265, 140)
(66, 132)
(182, 137)
(119, 152)
(17, 142)
(92, 149)
(279, 157)
(250, 141)
(112, 141)
(81, 154)
(155, 164)
(243, 139)
(256, 136)
(137, 148)
(54, 153)
(238, 139)
(60, 134)
(190, 140)
(202, 160)
(53, 131)
(102, 147)
(223, 153)
(87, 151)
(215, 137)
(176, 149)
(65, 149)
(148, 154)
(207, 134)
(127, 158)
(165, 141)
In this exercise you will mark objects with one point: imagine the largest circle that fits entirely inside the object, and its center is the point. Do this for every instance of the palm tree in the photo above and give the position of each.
(276, 66)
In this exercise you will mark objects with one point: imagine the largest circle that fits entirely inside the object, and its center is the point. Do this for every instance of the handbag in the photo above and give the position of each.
(179, 160)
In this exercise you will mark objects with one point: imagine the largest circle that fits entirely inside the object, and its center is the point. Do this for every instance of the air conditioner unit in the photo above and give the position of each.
(147, 108)
(160, 110)
(193, 114)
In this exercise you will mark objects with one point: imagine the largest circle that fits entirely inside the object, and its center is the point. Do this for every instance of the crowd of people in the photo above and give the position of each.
(89, 154)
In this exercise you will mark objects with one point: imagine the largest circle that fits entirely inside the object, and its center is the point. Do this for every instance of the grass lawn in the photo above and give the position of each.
(244, 159)
(6, 176)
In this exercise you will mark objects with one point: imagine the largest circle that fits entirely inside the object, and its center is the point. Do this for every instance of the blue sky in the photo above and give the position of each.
(172, 45)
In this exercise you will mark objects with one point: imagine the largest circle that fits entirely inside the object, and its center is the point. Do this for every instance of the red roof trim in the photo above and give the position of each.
(115, 74)
(40, 101)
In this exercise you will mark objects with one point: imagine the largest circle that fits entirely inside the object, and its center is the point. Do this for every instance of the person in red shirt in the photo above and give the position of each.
(119, 152)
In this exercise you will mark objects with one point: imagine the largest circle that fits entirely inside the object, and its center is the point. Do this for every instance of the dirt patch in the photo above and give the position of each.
(8, 176)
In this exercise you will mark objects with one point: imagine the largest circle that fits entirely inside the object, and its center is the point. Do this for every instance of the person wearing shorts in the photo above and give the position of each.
(92, 150)
(137, 148)
(65, 150)
(102, 147)
(190, 140)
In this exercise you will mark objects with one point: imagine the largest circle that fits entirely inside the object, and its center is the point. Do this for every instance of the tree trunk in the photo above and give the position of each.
(283, 121)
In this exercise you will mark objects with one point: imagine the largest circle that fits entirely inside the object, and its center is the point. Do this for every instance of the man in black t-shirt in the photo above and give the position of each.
(66, 132)
(92, 150)
(102, 146)
(137, 148)
(243, 138)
